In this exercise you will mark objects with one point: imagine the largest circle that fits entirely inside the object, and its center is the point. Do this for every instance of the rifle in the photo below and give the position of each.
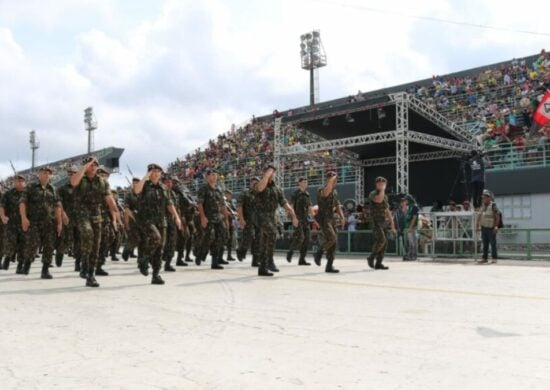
(129, 170)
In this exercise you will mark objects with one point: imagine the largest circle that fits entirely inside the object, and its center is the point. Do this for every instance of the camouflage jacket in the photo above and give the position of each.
(212, 201)
(301, 202)
(327, 205)
(66, 196)
(153, 202)
(41, 202)
(10, 203)
(267, 201)
(246, 201)
(89, 196)
(378, 210)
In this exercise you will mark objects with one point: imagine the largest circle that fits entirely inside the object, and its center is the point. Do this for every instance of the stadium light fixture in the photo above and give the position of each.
(313, 57)
(91, 126)
(35, 144)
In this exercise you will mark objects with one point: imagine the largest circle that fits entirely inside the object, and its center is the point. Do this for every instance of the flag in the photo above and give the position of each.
(542, 115)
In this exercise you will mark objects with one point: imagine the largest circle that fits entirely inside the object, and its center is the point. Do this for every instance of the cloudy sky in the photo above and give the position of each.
(165, 76)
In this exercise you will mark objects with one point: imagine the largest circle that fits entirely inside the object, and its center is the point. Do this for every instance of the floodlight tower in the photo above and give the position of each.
(91, 126)
(313, 57)
(35, 144)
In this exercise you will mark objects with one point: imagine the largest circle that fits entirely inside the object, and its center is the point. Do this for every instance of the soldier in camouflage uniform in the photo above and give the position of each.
(301, 202)
(130, 224)
(67, 243)
(213, 215)
(247, 222)
(118, 234)
(267, 197)
(327, 199)
(90, 193)
(380, 213)
(154, 203)
(2, 230)
(107, 227)
(41, 219)
(13, 238)
(231, 215)
(172, 231)
(184, 239)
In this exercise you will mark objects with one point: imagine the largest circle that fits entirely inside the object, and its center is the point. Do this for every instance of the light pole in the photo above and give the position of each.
(91, 125)
(312, 54)
(35, 144)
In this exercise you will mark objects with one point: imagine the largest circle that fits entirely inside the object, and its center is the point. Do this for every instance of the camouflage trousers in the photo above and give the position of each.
(153, 237)
(89, 233)
(249, 239)
(184, 240)
(213, 240)
(107, 238)
(329, 237)
(133, 236)
(13, 240)
(68, 241)
(300, 238)
(267, 237)
(380, 242)
(230, 234)
(171, 241)
(41, 234)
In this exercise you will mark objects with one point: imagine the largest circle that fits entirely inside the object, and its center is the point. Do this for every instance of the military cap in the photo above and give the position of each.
(380, 179)
(152, 166)
(487, 193)
(301, 179)
(136, 180)
(46, 168)
(211, 170)
(103, 169)
(18, 176)
(228, 191)
(71, 168)
(86, 160)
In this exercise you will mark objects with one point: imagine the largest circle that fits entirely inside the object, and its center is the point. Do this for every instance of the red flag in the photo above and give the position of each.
(542, 116)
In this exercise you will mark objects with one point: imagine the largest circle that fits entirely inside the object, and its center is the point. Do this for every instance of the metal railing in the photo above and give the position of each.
(517, 244)
(508, 156)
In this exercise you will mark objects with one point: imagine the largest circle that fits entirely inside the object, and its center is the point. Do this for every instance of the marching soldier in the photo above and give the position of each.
(268, 196)
(69, 235)
(327, 199)
(118, 234)
(247, 222)
(301, 202)
(184, 238)
(212, 214)
(41, 219)
(108, 226)
(154, 202)
(90, 193)
(380, 213)
(232, 213)
(130, 224)
(171, 228)
(13, 239)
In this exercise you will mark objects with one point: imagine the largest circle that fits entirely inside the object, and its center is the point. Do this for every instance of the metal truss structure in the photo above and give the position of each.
(461, 142)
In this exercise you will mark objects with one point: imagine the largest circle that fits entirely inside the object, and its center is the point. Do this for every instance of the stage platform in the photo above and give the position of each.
(424, 325)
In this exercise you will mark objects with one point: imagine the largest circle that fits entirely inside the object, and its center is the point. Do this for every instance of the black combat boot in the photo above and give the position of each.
(303, 261)
(215, 264)
(271, 266)
(379, 264)
(168, 267)
(263, 271)
(254, 261)
(83, 272)
(26, 267)
(58, 259)
(370, 260)
(318, 256)
(329, 268)
(143, 265)
(289, 256)
(46, 272)
(229, 257)
(156, 279)
(77, 264)
(6, 263)
(188, 258)
(132, 255)
(125, 254)
(240, 255)
(100, 271)
(114, 258)
(179, 260)
(90, 280)
(19, 269)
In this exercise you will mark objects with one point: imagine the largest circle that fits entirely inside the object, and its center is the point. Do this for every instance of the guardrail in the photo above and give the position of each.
(507, 156)
(518, 244)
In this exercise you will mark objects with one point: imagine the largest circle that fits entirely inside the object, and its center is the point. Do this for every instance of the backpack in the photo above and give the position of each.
(500, 220)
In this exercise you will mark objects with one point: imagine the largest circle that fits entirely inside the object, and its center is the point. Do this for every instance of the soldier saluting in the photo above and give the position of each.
(380, 213)
(40, 210)
(327, 198)
(268, 196)
(90, 193)
(154, 203)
